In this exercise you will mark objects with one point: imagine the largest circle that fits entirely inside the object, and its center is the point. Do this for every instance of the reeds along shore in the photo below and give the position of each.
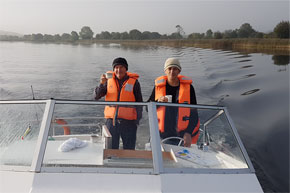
(269, 46)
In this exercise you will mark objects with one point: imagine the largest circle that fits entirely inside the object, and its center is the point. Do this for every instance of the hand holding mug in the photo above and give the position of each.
(103, 79)
(109, 75)
(187, 140)
(169, 98)
(163, 99)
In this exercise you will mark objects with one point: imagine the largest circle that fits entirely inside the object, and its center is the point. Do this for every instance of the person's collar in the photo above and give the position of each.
(176, 83)
(125, 78)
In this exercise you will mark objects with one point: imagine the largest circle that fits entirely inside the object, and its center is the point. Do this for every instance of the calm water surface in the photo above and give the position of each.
(254, 88)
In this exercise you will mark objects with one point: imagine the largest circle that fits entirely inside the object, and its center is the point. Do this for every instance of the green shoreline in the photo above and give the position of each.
(247, 45)
(268, 46)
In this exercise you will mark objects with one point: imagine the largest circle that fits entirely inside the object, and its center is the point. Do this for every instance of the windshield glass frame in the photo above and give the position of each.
(158, 167)
(34, 166)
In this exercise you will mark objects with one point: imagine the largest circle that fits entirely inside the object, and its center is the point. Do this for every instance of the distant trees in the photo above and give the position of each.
(132, 35)
(135, 34)
(103, 35)
(175, 36)
(217, 35)
(10, 38)
(86, 33)
(155, 35)
(246, 31)
(180, 31)
(74, 36)
(48, 38)
(37, 37)
(125, 36)
(259, 35)
(196, 36)
(115, 35)
(228, 34)
(65, 37)
(282, 29)
(146, 35)
(208, 34)
(57, 37)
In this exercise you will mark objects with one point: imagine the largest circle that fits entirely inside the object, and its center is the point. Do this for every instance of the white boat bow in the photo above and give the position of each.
(74, 154)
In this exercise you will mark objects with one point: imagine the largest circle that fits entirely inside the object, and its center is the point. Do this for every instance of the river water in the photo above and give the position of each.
(254, 87)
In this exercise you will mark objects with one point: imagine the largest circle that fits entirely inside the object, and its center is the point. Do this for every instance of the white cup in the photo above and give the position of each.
(109, 75)
(169, 98)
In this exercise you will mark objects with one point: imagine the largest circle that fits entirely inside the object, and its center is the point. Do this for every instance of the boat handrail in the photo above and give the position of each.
(206, 138)
(75, 124)
(69, 118)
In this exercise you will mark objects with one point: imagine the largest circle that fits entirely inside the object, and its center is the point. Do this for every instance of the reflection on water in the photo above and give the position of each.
(281, 59)
(254, 87)
(247, 66)
(243, 56)
(240, 78)
(250, 92)
(243, 61)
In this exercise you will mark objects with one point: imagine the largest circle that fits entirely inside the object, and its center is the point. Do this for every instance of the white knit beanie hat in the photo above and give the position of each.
(172, 62)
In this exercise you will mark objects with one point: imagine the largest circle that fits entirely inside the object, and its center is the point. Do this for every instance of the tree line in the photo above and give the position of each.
(281, 30)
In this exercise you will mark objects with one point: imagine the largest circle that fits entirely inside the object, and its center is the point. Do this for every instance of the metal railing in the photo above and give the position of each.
(206, 138)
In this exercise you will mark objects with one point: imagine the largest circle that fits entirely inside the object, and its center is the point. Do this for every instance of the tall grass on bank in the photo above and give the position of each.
(281, 46)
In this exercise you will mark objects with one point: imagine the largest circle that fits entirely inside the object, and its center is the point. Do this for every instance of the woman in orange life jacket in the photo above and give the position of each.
(172, 121)
(122, 86)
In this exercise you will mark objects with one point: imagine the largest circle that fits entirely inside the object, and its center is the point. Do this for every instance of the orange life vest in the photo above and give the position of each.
(183, 97)
(66, 129)
(126, 94)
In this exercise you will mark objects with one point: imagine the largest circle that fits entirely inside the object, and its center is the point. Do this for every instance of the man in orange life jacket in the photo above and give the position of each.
(122, 86)
(172, 121)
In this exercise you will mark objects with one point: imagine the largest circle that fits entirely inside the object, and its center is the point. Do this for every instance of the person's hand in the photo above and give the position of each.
(187, 139)
(163, 99)
(103, 79)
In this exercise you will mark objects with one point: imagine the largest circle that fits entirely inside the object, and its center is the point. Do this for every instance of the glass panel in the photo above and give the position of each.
(215, 146)
(80, 136)
(19, 129)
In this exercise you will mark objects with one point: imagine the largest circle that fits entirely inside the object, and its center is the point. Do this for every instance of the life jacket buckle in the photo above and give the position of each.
(185, 118)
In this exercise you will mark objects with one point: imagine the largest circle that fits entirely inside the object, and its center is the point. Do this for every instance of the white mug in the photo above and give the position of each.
(169, 98)
(109, 75)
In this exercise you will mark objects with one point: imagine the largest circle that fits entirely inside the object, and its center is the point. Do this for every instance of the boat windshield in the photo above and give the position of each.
(213, 143)
(80, 136)
(19, 131)
(59, 136)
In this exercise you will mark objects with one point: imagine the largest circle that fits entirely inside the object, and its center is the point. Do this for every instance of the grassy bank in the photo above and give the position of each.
(269, 46)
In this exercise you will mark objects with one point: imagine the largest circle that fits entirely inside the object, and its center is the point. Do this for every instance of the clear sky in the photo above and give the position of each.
(64, 16)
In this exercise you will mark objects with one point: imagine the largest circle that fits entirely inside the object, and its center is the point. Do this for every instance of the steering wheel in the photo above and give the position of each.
(181, 140)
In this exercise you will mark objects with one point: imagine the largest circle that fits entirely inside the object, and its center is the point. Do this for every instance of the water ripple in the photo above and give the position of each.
(241, 78)
(247, 66)
(240, 61)
(250, 92)
(243, 56)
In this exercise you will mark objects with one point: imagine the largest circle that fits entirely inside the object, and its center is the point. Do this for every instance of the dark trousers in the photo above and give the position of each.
(125, 129)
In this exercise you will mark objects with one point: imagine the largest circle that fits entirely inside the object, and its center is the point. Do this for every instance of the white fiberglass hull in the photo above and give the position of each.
(91, 182)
